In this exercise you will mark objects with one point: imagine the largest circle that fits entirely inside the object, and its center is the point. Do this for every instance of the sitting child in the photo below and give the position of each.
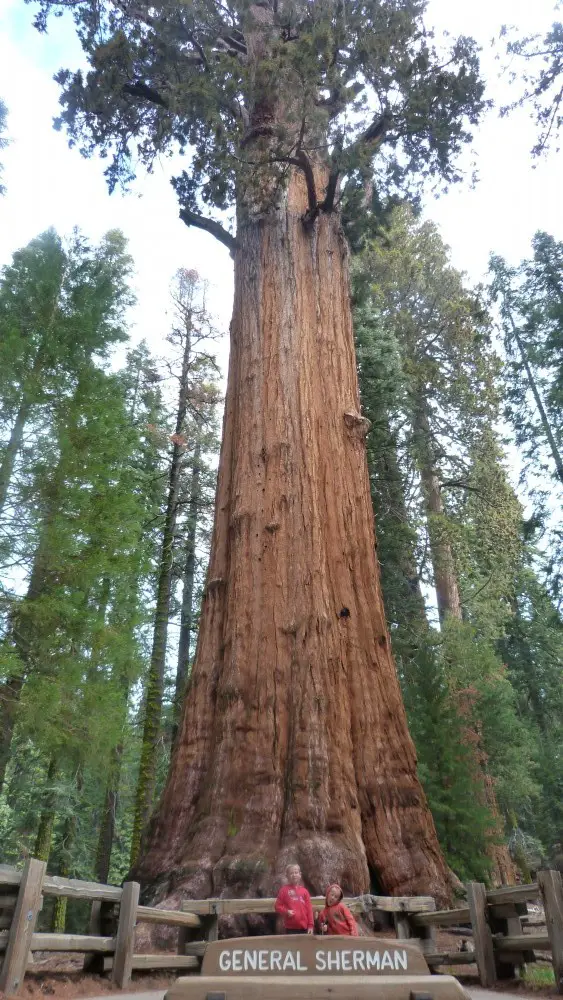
(336, 918)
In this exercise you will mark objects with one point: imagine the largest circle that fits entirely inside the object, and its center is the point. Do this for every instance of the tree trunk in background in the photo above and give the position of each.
(294, 743)
(67, 844)
(445, 577)
(107, 825)
(11, 451)
(22, 634)
(155, 684)
(188, 577)
(42, 848)
(449, 604)
(550, 437)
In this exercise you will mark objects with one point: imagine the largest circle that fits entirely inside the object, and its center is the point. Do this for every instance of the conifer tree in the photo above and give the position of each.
(278, 106)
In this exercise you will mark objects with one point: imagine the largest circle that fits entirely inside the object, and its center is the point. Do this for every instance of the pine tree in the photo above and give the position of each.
(195, 395)
(444, 401)
(537, 70)
(59, 305)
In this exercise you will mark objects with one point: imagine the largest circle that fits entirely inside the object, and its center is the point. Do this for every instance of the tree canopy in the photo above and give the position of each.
(243, 88)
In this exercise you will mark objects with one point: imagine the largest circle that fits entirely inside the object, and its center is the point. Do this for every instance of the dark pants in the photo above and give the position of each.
(302, 930)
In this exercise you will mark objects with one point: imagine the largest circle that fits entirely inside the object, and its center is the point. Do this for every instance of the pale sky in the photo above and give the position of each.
(48, 184)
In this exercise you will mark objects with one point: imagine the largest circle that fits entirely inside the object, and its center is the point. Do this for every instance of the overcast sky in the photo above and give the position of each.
(48, 184)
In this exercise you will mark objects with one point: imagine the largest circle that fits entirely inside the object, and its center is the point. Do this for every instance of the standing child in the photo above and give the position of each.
(294, 904)
(336, 918)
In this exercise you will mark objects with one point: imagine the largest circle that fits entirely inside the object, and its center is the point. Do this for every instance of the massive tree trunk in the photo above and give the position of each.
(293, 742)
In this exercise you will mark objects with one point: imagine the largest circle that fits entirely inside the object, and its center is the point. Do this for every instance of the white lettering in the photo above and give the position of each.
(289, 962)
(334, 960)
(387, 961)
(225, 961)
(346, 963)
(250, 961)
(401, 960)
(237, 960)
(320, 961)
(301, 968)
(372, 960)
(263, 961)
(359, 958)
(275, 960)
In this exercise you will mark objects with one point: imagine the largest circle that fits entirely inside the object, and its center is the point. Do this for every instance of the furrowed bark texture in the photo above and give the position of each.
(294, 742)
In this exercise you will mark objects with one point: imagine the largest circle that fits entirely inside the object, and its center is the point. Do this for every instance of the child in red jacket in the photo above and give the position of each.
(294, 904)
(336, 918)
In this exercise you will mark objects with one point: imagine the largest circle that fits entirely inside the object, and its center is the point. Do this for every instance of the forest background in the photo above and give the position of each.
(464, 468)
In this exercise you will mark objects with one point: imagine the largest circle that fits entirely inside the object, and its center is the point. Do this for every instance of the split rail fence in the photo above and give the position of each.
(496, 920)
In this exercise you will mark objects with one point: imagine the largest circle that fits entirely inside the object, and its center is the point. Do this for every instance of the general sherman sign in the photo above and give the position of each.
(313, 956)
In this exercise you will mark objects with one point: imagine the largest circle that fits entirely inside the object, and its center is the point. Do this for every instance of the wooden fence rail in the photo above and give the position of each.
(493, 919)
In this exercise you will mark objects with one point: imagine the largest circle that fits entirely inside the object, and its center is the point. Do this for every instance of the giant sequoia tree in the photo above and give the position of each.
(293, 742)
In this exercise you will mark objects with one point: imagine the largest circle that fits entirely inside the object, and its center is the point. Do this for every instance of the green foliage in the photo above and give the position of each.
(538, 73)
(445, 763)
(430, 385)
(208, 79)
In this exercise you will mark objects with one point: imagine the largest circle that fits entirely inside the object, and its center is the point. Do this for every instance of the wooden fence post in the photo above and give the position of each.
(551, 888)
(125, 940)
(23, 926)
(482, 937)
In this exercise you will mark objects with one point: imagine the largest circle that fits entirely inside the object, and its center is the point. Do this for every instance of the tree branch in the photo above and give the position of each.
(140, 89)
(373, 134)
(209, 226)
(302, 160)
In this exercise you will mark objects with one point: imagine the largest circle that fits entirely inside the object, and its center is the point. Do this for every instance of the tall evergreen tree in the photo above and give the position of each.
(444, 401)
(59, 305)
(195, 394)
(278, 104)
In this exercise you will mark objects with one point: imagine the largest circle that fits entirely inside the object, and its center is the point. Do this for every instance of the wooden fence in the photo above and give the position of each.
(496, 920)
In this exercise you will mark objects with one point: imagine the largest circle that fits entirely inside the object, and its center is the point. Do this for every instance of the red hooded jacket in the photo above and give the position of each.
(337, 917)
(297, 899)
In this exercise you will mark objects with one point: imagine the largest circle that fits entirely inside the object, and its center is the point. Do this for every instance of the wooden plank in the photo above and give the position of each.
(357, 904)
(10, 875)
(176, 918)
(23, 925)
(521, 942)
(482, 937)
(197, 948)
(164, 962)
(72, 942)
(513, 893)
(125, 942)
(73, 888)
(551, 888)
(451, 958)
(442, 918)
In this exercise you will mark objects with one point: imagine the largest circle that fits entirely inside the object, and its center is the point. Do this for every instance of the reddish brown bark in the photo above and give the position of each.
(294, 742)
